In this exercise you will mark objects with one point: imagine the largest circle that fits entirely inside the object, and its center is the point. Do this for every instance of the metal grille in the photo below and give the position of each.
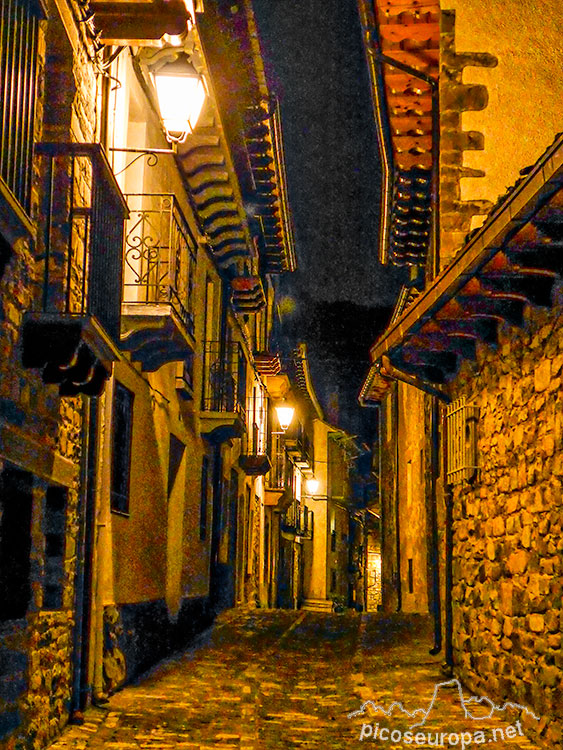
(257, 425)
(224, 377)
(81, 245)
(19, 23)
(276, 477)
(298, 519)
(159, 255)
(461, 425)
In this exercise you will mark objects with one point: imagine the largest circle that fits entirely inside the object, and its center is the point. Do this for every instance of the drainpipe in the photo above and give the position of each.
(217, 463)
(83, 587)
(397, 503)
(449, 579)
(434, 549)
(214, 587)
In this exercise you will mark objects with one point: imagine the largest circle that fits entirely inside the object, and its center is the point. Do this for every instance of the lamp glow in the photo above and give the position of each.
(181, 95)
(312, 486)
(285, 416)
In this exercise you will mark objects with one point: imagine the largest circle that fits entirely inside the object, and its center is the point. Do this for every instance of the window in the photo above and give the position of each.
(410, 576)
(19, 23)
(333, 540)
(54, 528)
(16, 499)
(204, 498)
(122, 420)
(333, 580)
(461, 427)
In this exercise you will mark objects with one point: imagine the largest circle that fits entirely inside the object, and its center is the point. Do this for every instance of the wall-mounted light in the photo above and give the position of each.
(285, 415)
(181, 94)
(312, 486)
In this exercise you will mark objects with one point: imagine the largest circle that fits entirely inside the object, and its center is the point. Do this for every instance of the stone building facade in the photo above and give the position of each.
(507, 522)
(472, 354)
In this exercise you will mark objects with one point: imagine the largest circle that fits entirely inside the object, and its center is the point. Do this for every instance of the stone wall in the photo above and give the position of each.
(507, 525)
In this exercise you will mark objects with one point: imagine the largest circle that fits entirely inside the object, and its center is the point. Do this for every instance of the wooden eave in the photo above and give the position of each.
(247, 294)
(206, 163)
(253, 128)
(301, 376)
(130, 22)
(512, 261)
(407, 31)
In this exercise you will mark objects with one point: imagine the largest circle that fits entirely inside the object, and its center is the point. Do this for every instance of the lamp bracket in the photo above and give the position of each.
(152, 155)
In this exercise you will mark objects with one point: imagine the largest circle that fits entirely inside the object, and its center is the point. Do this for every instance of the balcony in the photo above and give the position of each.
(298, 521)
(300, 450)
(73, 333)
(276, 483)
(254, 459)
(160, 257)
(222, 416)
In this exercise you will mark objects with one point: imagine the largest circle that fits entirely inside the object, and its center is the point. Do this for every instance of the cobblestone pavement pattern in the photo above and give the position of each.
(284, 679)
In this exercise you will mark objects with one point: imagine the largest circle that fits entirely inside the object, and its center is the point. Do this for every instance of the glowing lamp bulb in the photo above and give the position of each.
(181, 95)
(285, 416)
(312, 486)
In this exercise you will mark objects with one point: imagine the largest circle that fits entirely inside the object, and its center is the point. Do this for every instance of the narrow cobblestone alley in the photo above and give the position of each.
(286, 679)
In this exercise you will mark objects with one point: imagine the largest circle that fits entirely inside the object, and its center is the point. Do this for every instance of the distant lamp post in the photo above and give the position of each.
(181, 94)
(312, 486)
(285, 415)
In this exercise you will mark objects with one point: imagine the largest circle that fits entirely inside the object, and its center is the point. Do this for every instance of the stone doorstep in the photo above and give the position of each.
(317, 605)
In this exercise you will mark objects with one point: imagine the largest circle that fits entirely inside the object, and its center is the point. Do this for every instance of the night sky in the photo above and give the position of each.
(316, 66)
(341, 297)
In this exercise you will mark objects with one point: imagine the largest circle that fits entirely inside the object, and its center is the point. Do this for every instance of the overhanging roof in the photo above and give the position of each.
(514, 259)
(407, 31)
(252, 124)
(301, 375)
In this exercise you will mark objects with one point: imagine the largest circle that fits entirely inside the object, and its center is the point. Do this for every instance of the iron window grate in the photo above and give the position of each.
(461, 426)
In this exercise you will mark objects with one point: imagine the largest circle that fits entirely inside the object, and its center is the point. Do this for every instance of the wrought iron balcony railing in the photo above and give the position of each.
(160, 256)
(276, 478)
(255, 454)
(300, 449)
(257, 426)
(298, 520)
(223, 393)
(81, 247)
(76, 325)
(224, 378)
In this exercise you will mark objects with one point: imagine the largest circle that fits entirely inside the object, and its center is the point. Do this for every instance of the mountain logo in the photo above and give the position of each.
(474, 708)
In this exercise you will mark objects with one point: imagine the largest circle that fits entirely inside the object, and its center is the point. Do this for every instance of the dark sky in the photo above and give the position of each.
(316, 65)
(341, 296)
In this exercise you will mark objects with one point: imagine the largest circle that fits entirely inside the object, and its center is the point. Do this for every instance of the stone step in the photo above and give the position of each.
(317, 605)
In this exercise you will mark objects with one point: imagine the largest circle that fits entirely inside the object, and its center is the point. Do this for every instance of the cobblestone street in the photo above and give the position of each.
(287, 679)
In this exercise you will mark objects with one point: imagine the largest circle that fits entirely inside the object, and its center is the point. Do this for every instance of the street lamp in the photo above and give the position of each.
(285, 416)
(312, 486)
(181, 94)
